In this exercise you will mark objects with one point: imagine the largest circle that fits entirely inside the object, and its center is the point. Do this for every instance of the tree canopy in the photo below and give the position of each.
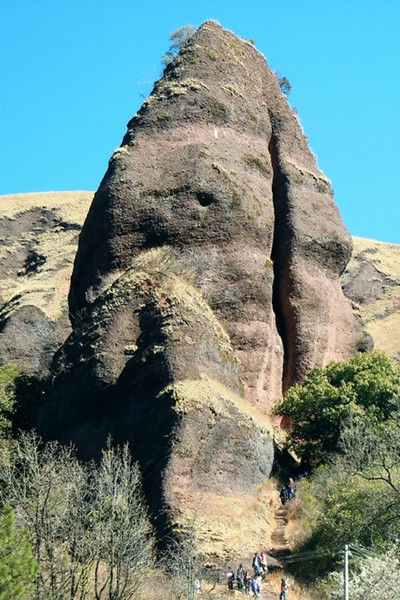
(366, 387)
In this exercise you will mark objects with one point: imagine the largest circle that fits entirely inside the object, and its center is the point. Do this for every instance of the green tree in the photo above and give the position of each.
(355, 498)
(9, 375)
(17, 566)
(366, 387)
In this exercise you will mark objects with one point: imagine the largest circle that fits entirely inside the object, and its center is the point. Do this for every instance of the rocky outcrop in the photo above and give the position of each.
(39, 234)
(216, 165)
(372, 283)
(150, 363)
(206, 280)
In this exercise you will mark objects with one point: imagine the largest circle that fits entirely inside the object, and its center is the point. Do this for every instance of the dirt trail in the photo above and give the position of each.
(278, 537)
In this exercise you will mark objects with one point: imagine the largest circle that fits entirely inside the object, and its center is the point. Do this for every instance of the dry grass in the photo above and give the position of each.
(232, 528)
(382, 316)
(70, 205)
(48, 287)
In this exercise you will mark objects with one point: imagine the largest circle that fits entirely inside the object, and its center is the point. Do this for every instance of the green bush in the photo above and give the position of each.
(9, 375)
(354, 499)
(366, 387)
(17, 566)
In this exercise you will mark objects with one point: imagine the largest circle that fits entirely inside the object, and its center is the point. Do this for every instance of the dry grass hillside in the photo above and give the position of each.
(39, 234)
(372, 282)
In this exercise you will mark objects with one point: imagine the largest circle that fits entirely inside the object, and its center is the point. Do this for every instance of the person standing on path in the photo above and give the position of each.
(284, 589)
(231, 579)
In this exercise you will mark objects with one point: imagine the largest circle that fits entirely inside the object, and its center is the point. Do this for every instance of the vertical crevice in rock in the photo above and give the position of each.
(280, 255)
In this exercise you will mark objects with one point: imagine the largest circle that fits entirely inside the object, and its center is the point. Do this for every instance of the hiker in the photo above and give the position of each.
(284, 589)
(284, 495)
(288, 492)
(240, 574)
(247, 584)
(257, 565)
(263, 560)
(231, 579)
(255, 586)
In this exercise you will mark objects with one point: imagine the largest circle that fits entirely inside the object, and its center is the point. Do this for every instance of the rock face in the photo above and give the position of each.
(151, 364)
(206, 280)
(39, 234)
(216, 165)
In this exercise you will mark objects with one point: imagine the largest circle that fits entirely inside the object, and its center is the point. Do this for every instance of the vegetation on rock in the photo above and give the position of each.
(178, 40)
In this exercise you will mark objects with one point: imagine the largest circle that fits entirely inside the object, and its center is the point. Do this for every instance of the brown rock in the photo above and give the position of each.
(150, 364)
(216, 165)
(206, 279)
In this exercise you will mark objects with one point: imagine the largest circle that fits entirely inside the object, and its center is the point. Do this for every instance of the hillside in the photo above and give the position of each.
(372, 282)
(39, 236)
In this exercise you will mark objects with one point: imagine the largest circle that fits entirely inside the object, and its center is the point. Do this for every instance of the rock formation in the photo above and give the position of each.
(216, 165)
(207, 279)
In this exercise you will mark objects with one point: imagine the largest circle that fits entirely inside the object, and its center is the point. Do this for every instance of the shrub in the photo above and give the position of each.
(87, 524)
(17, 566)
(366, 387)
(353, 499)
(178, 40)
(285, 85)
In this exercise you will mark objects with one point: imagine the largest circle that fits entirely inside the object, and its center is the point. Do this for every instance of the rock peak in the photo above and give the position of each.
(205, 282)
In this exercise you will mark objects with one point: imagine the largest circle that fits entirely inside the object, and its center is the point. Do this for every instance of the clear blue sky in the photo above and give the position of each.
(72, 73)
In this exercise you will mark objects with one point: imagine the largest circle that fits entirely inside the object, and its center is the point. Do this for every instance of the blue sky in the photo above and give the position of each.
(73, 72)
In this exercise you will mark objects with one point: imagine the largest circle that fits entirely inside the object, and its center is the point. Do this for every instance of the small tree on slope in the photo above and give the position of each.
(366, 387)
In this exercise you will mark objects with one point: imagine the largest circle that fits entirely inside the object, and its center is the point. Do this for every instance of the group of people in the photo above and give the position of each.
(247, 582)
(289, 490)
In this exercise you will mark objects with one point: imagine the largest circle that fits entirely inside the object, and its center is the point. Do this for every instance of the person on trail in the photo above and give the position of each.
(255, 586)
(257, 565)
(263, 560)
(291, 488)
(247, 584)
(240, 573)
(231, 579)
(284, 589)
(284, 495)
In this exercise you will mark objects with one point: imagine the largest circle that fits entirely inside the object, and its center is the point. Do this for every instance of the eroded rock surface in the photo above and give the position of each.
(205, 282)
(151, 364)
